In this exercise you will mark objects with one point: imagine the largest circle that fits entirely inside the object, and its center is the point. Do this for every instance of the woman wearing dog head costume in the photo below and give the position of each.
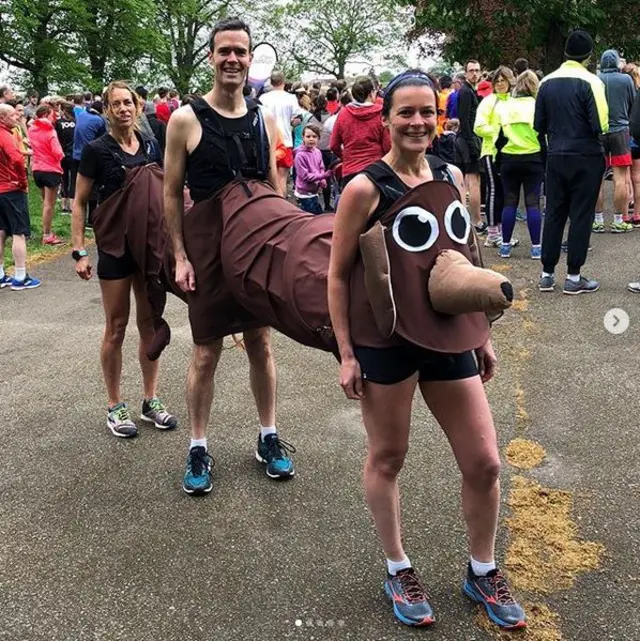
(383, 377)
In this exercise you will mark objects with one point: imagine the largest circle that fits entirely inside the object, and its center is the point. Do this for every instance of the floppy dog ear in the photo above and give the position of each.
(377, 279)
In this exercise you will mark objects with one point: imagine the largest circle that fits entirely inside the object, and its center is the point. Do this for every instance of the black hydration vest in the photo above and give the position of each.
(391, 188)
(210, 166)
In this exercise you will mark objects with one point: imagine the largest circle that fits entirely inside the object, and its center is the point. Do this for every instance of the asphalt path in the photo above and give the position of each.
(99, 542)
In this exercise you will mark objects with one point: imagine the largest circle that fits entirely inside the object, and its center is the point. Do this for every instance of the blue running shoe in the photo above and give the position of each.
(27, 283)
(5, 281)
(521, 215)
(494, 594)
(505, 250)
(274, 452)
(409, 597)
(536, 253)
(197, 476)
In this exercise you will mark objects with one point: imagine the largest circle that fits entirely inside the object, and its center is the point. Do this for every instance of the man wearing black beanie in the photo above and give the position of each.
(572, 112)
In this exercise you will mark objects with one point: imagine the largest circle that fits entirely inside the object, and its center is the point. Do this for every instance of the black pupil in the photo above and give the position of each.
(458, 223)
(414, 232)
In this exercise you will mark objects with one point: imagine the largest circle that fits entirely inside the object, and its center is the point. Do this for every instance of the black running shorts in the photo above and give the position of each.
(46, 179)
(112, 268)
(14, 214)
(391, 365)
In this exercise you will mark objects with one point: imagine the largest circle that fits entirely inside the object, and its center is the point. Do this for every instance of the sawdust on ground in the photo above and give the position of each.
(524, 454)
(542, 625)
(544, 540)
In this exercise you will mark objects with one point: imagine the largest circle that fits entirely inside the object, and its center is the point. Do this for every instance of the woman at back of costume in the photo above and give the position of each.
(103, 163)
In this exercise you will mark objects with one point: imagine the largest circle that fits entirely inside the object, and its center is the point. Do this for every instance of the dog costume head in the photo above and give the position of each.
(423, 275)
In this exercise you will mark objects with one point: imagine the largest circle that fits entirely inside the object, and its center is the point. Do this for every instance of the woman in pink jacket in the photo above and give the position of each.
(47, 167)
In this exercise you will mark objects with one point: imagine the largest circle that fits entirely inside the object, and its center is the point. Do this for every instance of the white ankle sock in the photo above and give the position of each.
(482, 569)
(547, 275)
(20, 273)
(575, 278)
(265, 431)
(1, 271)
(599, 218)
(393, 567)
(198, 442)
(617, 219)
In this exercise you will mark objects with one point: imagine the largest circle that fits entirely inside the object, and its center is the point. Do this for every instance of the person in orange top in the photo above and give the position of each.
(47, 167)
(20, 133)
(443, 95)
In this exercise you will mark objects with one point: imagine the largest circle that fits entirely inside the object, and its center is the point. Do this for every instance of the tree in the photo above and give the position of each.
(114, 35)
(499, 31)
(34, 37)
(324, 35)
(75, 43)
(187, 25)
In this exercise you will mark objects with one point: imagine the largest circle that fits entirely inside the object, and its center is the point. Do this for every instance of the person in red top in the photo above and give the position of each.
(358, 136)
(14, 207)
(332, 100)
(163, 111)
(46, 164)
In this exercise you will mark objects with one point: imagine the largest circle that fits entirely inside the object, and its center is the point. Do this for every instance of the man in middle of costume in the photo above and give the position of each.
(216, 139)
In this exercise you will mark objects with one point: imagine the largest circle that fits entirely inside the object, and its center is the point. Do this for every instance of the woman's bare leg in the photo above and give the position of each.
(116, 303)
(386, 412)
(462, 410)
(48, 204)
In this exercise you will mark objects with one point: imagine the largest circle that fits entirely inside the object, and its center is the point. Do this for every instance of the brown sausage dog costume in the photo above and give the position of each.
(260, 261)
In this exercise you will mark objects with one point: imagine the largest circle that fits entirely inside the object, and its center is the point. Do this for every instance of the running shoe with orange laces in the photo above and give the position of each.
(493, 592)
(409, 597)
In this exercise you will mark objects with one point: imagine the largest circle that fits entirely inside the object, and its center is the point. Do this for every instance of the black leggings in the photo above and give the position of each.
(516, 174)
(69, 173)
(494, 197)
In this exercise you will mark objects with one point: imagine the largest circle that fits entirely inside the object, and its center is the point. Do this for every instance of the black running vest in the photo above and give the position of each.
(391, 188)
(230, 148)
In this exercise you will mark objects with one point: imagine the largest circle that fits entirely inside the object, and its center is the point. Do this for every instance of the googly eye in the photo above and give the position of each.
(415, 229)
(457, 222)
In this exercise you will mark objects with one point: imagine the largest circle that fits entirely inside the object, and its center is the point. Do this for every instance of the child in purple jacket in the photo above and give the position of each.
(311, 175)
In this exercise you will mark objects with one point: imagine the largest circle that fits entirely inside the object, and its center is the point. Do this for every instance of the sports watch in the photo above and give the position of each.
(77, 254)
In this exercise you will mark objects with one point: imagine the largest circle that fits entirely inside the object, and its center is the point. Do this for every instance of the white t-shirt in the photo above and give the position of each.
(284, 106)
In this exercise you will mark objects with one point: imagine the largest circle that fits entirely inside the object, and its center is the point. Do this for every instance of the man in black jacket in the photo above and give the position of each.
(468, 142)
(572, 112)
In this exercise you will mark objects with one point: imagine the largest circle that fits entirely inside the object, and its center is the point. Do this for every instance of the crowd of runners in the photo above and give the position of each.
(504, 139)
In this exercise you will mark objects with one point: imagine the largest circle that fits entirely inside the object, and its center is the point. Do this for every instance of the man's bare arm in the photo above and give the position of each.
(175, 162)
(272, 132)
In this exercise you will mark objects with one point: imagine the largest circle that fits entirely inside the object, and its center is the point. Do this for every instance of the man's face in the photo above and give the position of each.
(33, 100)
(472, 73)
(8, 95)
(231, 58)
(9, 117)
